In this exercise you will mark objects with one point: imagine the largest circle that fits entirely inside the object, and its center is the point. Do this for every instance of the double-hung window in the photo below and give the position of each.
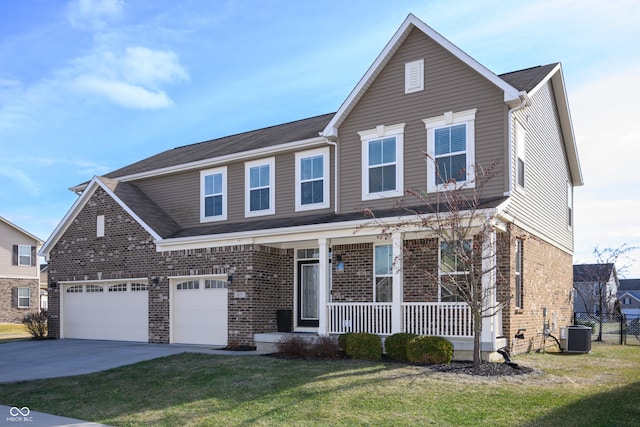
(520, 165)
(518, 273)
(451, 150)
(213, 194)
(454, 266)
(383, 268)
(382, 162)
(312, 179)
(260, 190)
(24, 298)
(24, 255)
(569, 205)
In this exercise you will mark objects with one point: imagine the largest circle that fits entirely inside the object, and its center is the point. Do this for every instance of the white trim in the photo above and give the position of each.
(510, 93)
(521, 151)
(378, 133)
(414, 76)
(100, 226)
(203, 174)
(271, 162)
(19, 264)
(326, 197)
(449, 119)
(388, 275)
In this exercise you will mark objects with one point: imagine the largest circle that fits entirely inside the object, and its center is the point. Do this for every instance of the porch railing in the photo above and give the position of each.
(421, 318)
(372, 317)
(446, 319)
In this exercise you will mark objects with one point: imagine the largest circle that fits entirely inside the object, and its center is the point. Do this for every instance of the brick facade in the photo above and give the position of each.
(9, 311)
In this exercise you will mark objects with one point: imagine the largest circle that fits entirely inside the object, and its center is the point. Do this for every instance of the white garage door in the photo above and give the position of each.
(200, 311)
(106, 311)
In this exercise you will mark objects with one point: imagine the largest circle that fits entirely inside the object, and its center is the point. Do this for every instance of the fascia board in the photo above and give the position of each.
(510, 93)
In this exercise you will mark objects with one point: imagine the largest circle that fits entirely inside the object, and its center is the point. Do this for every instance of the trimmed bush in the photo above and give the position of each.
(342, 341)
(36, 324)
(292, 345)
(396, 345)
(429, 350)
(364, 346)
(324, 348)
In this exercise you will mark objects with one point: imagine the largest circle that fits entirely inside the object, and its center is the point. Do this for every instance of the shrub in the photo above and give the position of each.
(324, 348)
(36, 324)
(342, 341)
(364, 346)
(429, 349)
(292, 345)
(396, 345)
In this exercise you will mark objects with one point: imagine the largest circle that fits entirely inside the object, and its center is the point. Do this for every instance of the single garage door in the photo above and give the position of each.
(200, 311)
(106, 311)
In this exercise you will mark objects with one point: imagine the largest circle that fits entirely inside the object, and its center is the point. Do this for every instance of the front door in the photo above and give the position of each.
(308, 276)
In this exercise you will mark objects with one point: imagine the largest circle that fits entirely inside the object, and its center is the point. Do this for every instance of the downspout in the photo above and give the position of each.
(335, 174)
(524, 100)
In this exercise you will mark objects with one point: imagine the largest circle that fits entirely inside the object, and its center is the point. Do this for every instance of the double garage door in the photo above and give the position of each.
(120, 311)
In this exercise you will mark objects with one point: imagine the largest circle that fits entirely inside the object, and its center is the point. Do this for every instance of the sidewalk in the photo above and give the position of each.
(10, 416)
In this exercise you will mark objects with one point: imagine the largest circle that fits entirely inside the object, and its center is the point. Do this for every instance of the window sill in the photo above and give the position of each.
(519, 311)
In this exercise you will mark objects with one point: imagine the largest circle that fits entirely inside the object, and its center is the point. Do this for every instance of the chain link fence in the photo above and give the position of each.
(611, 328)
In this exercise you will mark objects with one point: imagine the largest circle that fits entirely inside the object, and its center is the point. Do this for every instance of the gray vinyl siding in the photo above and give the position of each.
(542, 206)
(178, 194)
(450, 85)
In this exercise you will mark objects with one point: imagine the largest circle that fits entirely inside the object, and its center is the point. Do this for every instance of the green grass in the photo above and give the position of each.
(598, 389)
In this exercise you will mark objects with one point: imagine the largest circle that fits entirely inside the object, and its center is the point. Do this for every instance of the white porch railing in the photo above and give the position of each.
(372, 317)
(451, 319)
(445, 319)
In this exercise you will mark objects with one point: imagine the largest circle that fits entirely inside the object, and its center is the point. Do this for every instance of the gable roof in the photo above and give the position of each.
(629, 285)
(593, 273)
(527, 79)
(15, 227)
(632, 294)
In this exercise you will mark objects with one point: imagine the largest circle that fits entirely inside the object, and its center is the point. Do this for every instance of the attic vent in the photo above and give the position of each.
(414, 76)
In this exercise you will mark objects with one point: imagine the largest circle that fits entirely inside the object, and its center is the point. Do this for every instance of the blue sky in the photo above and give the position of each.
(88, 86)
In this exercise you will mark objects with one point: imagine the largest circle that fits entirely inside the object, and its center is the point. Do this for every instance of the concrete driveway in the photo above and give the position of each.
(32, 360)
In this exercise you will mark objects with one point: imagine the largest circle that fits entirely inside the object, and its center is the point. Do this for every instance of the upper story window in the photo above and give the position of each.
(382, 162)
(24, 255)
(414, 76)
(521, 144)
(569, 205)
(213, 194)
(451, 149)
(100, 226)
(312, 179)
(260, 187)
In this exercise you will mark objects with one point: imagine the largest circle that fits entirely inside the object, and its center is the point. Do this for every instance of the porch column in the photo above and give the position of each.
(397, 284)
(323, 286)
(489, 299)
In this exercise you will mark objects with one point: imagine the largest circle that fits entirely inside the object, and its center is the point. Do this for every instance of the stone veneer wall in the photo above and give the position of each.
(262, 276)
(9, 312)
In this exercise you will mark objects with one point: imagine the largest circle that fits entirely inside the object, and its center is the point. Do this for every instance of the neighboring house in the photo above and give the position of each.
(596, 287)
(44, 285)
(205, 243)
(19, 273)
(629, 296)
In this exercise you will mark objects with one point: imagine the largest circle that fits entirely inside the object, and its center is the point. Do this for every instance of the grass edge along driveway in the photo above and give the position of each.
(602, 388)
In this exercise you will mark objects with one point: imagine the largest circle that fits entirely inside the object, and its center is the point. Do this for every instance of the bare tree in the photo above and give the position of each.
(463, 224)
(592, 283)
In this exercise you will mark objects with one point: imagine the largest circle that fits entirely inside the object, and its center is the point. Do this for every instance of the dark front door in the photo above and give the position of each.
(308, 274)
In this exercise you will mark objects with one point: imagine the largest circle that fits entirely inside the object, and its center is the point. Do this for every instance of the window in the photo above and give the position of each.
(94, 288)
(120, 287)
(191, 284)
(312, 179)
(260, 192)
(569, 205)
(454, 263)
(74, 289)
(100, 226)
(451, 148)
(383, 268)
(521, 144)
(215, 284)
(518, 273)
(135, 287)
(382, 162)
(24, 298)
(24, 255)
(213, 190)
(414, 76)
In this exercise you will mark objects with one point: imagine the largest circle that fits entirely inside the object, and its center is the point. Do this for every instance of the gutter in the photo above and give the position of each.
(335, 174)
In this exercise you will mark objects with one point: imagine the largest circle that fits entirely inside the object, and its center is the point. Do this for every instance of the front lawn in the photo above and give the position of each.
(12, 332)
(601, 388)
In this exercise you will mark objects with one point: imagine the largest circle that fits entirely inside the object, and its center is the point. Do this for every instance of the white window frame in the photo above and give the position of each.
(519, 293)
(23, 248)
(22, 297)
(388, 275)
(271, 162)
(521, 143)
(442, 273)
(446, 120)
(371, 135)
(414, 76)
(324, 152)
(100, 226)
(569, 205)
(203, 174)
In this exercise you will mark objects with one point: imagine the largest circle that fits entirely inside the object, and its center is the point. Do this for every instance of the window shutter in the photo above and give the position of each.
(33, 256)
(14, 258)
(14, 297)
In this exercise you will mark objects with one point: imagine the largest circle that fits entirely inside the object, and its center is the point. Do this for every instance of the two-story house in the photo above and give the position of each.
(19, 273)
(204, 243)
(595, 287)
(629, 297)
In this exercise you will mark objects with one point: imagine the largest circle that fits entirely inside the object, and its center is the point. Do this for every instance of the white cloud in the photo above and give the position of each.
(124, 94)
(22, 179)
(94, 14)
